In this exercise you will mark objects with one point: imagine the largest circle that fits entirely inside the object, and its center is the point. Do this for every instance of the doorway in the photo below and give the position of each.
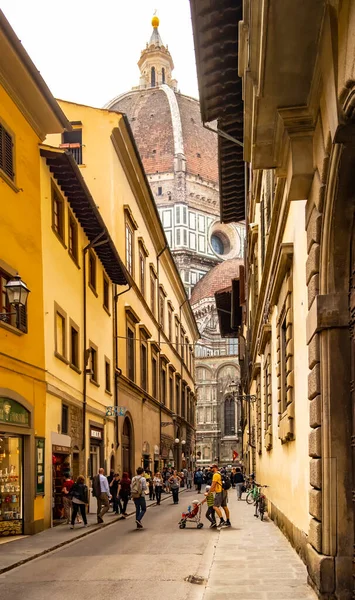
(127, 447)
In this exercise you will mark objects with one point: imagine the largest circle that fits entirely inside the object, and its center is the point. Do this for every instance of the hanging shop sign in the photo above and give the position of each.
(60, 449)
(115, 411)
(40, 447)
(13, 413)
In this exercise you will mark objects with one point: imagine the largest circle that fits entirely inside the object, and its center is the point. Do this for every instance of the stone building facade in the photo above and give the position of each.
(295, 66)
(180, 160)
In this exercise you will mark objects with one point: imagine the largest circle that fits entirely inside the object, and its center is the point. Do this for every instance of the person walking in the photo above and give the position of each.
(220, 498)
(239, 482)
(174, 482)
(189, 478)
(151, 486)
(114, 486)
(80, 498)
(138, 489)
(210, 513)
(198, 480)
(101, 490)
(66, 499)
(158, 486)
(124, 492)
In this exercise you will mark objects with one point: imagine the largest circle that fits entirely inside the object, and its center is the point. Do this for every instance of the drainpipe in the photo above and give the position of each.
(94, 244)
(117, 370)
(159, 336)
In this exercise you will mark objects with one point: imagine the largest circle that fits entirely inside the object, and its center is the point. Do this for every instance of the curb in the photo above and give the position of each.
(94, 529)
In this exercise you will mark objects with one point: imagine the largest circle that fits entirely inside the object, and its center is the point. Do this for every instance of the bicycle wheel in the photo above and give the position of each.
(261, 508)
(249, 498)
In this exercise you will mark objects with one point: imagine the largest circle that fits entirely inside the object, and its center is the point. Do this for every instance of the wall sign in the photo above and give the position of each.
(13, 413)
(96, 433)
(115, 411)
(60, 449)
(40, 447)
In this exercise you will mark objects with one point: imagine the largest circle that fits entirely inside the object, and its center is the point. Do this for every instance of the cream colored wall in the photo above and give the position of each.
(285, 468)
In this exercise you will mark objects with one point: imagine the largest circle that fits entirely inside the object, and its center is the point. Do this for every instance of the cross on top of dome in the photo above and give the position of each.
(155, 63)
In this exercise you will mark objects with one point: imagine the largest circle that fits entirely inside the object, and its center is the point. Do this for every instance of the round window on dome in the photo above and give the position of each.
(219, 244)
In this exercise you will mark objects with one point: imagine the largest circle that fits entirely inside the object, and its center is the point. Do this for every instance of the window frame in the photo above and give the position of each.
(153, 292)
(72, 221)
(57, 198)
(106, 282)
(143, 364)
(131, 352)
(154, 368)
(65, 409)
(92, 274)
(72, 364)
(108, 388)
(9, 178)
(60, 312)
(94, 364)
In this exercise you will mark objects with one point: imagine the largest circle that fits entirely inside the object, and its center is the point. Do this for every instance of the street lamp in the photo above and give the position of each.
(17, 293)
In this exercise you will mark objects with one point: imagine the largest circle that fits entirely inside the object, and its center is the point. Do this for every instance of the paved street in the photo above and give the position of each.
(252, 559)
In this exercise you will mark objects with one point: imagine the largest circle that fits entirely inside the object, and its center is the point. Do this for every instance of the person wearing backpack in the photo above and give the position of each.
(138, 489)
(220, 487)
(79, 497)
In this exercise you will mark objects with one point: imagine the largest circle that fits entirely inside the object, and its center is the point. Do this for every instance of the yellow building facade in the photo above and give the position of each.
(27, 113)
(153, 403)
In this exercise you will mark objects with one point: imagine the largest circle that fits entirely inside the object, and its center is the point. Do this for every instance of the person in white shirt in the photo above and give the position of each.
(101, 489)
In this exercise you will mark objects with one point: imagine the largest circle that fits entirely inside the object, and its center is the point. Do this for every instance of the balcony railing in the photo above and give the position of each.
(75, 150)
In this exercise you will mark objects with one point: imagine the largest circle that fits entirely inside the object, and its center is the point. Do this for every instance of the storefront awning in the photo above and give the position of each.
(68, 176)
(215, 26)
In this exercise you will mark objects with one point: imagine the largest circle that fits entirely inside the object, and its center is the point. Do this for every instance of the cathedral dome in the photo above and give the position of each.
(216, 279)
(167, 124)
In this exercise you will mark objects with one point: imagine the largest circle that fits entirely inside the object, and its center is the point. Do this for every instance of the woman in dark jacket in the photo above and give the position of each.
(114, 487)
(124, 492)
(80, 498)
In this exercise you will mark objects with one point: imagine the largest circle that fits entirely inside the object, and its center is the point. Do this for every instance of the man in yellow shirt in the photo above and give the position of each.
(220, 498)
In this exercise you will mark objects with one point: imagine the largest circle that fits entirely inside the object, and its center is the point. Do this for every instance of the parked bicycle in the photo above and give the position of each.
(256, 497)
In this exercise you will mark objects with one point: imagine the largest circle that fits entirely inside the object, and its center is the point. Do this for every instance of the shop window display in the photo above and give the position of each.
(61, 469)
(11, 517)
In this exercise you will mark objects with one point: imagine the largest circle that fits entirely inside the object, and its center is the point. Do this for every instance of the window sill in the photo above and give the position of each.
(75, 368)
(59, 238)
(11, 328)
(93, 290)
(74, 259)
(106, 309)
(9, 181)
(62, 358)
(108, 392)
(94, 382)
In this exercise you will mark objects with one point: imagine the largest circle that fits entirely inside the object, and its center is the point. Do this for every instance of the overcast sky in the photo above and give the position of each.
(87, 51)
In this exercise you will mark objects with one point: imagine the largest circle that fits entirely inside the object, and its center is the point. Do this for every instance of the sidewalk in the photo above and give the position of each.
(19, 551)
(254, 561)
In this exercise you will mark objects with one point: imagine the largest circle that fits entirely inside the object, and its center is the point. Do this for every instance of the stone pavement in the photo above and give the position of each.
(254, 561)
(19, 551)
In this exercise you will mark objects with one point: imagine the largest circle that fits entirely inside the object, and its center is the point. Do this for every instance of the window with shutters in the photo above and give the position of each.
(107, 375)
(94, 377)
(72, 237)
(129, 248)
(161, 308)
(154, 376)
(130, 353)
(144, 365)
(74, 346)
(106, 294)
(92, 271)
(60, 333)
(6, 153)
(171, 391)
(163, 385)
(153, 292)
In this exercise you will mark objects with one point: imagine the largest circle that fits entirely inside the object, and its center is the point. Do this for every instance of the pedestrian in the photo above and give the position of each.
(158, 486)
(210, 513)
(189, 478)
(233, 474)
(198, 480)
(101, 490)
(220, 498)
(138, 489)
(66, 499)
(114, 487)
(79, 496)
(174, 482)
(239, 482)
(151, 486)
(124, 492)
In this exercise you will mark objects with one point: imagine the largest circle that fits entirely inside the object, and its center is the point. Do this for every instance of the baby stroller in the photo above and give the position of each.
(193, 515)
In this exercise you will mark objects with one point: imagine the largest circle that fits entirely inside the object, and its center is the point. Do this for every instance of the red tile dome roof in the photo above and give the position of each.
(216, 279)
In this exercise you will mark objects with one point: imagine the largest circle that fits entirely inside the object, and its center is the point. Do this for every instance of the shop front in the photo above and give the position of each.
(96, 457)
(15, 468)
(61, 468)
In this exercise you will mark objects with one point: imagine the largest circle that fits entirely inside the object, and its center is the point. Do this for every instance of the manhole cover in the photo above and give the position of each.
(195, 579)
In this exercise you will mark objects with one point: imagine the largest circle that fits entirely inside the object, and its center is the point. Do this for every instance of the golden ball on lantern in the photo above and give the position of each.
(155, 22)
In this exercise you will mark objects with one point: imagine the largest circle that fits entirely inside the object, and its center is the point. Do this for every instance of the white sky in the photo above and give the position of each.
(87, 51)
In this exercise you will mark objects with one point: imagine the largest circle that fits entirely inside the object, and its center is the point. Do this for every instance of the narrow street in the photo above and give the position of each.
(252, 560)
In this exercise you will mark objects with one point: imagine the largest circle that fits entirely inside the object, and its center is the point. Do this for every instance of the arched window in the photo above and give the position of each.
(163, 75)
(229, 416)
(152, 77)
